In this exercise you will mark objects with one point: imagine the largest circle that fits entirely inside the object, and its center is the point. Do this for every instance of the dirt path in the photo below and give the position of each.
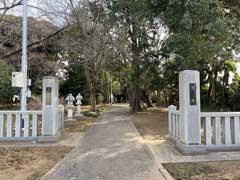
(152, 124)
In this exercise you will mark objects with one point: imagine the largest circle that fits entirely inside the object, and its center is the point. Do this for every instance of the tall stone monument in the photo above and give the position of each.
(50, 106)
(189, 105)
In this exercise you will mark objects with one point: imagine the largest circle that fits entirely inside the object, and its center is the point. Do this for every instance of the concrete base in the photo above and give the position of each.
(40, 139)
(49, 139)
(18, 139)
(191, 149)
(204, 149)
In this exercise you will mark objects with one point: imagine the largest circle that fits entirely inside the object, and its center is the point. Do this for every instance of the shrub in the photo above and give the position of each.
(90, 114)
(235, 102)
(6, 89)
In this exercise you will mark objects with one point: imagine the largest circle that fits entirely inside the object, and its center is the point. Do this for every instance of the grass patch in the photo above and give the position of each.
(91, 114)
(100, 109)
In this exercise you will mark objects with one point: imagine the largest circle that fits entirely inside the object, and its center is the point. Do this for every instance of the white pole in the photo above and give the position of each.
(24, 58)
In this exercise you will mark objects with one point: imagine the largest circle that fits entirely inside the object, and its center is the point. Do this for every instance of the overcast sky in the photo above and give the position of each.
(31, 11)
(46, 5)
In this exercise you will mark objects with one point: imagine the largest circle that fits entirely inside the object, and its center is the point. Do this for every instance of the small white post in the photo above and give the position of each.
(208, 131)
(1, 124)
(227, 130)
(237, 130)
(218, 130)
(79, 103)
(70, 98)
(170, 110)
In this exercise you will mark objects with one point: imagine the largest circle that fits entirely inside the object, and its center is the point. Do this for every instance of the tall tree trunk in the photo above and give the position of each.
(136, 98)
(136, 89)
(135, 94)
(93, 97)
(159, 101)
(92, 84)
(145, 99)
(212, 87)
(226, 78)
(224, 94)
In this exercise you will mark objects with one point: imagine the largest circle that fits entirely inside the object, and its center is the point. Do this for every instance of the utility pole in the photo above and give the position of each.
(24, 57)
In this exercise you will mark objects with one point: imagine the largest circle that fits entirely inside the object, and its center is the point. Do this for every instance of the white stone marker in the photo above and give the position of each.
(70, 98)
(50, 106)
(171, 109)
(79, 103)
(189, 105)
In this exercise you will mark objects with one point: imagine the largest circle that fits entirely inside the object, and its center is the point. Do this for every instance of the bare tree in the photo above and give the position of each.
(6, 5)
(89, 41)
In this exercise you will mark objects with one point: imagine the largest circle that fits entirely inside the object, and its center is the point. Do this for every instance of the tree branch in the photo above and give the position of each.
(6, 8)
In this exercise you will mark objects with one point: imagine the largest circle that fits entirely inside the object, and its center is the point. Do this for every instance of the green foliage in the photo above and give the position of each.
(133, 59)
(235, 102)
(170, 81)
(116, 87)
(105, 85)
(118, 69)
(6, 89)
(234, 91)
(201, 36)
(230, 65)
(100, 98)
(198, 31)
(136, 25)
(75, 82)
(42, 57)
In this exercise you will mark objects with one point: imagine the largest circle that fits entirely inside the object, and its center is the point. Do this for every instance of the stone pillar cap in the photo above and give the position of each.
(189, 71)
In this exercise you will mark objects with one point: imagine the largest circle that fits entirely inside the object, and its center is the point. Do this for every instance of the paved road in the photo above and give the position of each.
(111, 150)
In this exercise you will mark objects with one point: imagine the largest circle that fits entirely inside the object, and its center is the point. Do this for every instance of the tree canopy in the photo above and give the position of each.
(133, 49)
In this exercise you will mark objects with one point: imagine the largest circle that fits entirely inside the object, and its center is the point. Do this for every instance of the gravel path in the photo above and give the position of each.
(111, 150)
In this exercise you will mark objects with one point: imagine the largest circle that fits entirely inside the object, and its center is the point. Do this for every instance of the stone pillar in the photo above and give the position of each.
(189, 106)
(50, 106)
(79, 103)
(70, 98)
(112, 99)
(171, 109)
